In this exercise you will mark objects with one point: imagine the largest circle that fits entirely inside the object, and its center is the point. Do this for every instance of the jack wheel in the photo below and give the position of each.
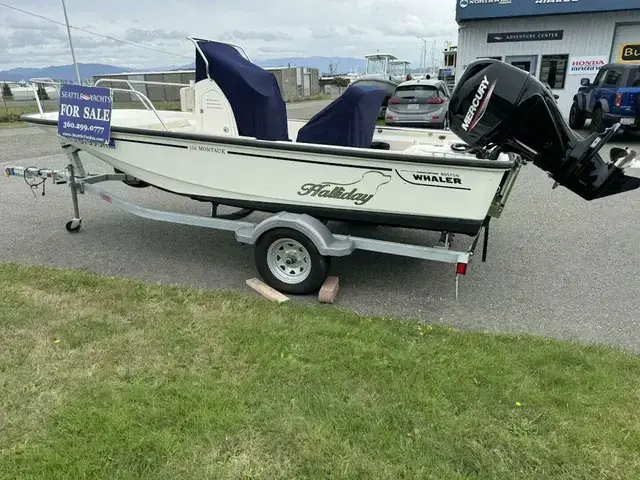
(288, 261)
(73, 226)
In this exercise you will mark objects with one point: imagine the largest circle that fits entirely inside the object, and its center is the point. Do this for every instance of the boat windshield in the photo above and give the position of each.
(398, 69)
(376, 65)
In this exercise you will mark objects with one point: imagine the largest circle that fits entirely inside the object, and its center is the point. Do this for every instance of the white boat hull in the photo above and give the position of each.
(428, 195)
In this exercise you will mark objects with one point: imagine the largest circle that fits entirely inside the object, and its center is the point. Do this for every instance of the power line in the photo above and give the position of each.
(93, 33)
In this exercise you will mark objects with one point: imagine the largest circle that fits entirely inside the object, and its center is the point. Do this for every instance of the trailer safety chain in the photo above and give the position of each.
(32, 185)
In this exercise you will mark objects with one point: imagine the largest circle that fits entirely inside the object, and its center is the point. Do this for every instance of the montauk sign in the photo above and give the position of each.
(85, 113)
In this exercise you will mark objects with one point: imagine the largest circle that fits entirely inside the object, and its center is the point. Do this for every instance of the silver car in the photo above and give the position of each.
(419, 103)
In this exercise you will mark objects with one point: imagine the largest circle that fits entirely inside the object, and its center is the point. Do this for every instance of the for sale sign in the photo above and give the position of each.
(586, 66)
(85, 113)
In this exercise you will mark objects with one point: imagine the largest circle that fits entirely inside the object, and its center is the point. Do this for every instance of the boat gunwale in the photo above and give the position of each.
(329, 150)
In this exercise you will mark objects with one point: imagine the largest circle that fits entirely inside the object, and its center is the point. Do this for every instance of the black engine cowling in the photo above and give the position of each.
(498, 105)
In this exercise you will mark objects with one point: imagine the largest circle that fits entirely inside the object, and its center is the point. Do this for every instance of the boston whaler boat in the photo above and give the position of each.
(232, 144)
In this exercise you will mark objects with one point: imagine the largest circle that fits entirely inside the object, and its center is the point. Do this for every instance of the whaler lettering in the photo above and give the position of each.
(438, 179)
(326, 190)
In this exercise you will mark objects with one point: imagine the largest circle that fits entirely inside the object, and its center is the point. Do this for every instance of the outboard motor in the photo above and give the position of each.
(497, 107)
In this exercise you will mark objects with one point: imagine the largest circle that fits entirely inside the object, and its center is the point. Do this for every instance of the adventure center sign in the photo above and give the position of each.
(542, 35)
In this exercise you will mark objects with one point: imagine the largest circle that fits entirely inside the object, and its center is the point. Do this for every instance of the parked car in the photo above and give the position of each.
(613, 97)
(419, 103)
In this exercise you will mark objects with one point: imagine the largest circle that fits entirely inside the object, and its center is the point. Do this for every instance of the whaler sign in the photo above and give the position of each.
(85, 113)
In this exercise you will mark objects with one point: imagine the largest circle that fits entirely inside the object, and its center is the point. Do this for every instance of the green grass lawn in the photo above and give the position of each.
(114, 379)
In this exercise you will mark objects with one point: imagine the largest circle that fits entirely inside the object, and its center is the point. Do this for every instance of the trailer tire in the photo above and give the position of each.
(288, 261)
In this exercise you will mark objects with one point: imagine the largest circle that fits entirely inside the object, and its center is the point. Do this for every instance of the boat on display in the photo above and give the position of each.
(232, 144)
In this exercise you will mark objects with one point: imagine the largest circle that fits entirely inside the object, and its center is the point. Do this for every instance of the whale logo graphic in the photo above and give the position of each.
(358, 192)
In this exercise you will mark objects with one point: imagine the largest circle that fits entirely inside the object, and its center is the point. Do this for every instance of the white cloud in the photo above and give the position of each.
(264, 35)
(273, 29)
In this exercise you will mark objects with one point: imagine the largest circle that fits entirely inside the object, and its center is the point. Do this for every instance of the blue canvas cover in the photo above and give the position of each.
(348, 121)
(253, 92)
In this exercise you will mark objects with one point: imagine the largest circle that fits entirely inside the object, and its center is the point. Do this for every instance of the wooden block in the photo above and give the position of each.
(266, 291)
(329, 290)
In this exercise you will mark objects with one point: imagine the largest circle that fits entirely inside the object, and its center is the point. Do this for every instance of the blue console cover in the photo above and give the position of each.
(253, 92)
(348, 121)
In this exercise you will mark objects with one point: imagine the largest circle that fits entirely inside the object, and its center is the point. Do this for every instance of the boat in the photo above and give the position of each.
(232, 144)
(379, 73)
(236, 147)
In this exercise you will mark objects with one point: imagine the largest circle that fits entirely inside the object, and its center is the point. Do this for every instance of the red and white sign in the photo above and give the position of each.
(586, 66)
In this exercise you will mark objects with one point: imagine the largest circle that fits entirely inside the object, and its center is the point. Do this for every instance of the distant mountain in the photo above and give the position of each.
(62, 72)
(88, 70)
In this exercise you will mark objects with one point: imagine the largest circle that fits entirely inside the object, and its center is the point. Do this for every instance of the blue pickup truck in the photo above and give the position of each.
(613, 97)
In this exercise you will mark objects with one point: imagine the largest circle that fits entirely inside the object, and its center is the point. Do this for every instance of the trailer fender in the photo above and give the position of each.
(311, 227)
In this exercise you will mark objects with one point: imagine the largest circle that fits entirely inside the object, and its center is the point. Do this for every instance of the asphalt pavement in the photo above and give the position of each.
(557, 266)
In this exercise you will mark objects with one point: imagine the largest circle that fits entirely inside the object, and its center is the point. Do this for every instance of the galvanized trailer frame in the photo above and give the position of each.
(328, 244)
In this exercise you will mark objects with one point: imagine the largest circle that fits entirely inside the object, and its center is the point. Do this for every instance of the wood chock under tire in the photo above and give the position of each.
(266, 291)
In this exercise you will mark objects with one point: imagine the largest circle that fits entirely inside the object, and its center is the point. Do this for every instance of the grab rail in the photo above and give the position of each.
(141, 96)
(144, 82)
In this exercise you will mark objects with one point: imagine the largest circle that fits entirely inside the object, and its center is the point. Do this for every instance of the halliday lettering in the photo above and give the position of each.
(327, 190)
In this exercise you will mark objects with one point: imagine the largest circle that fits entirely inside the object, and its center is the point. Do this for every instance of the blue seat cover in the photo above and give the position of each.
(348, 121)
(253, 92)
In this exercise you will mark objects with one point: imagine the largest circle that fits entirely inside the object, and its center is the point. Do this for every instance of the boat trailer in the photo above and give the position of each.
(297, 243)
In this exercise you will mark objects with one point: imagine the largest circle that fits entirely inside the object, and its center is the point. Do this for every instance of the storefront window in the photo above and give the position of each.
(554, 70)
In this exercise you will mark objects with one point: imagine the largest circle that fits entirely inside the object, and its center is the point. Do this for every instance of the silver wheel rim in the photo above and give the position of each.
(289, 261)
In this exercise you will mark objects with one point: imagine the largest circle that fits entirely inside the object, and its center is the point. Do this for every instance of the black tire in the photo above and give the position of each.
(72, 229)
(319, 264)
(597, 122)
(576, 117)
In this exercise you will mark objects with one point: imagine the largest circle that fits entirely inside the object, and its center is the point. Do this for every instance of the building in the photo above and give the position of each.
(558, 41)
(155, 93)
(295, 83)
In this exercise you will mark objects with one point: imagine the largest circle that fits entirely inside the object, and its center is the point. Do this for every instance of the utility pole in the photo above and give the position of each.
(73, 54)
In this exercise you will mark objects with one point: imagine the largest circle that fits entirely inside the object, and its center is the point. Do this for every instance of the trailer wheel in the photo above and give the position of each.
(289, 262)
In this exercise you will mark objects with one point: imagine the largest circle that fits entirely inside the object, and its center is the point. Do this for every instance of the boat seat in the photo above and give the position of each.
(348, 121)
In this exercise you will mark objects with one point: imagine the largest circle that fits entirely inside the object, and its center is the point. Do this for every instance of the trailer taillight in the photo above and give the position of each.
(618, 101)
(461, 268)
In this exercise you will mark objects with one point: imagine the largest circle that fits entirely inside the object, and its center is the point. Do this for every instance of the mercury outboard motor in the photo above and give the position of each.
(497, 107)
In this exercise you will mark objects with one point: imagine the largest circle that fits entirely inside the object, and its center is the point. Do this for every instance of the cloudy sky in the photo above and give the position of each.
(264, 28)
